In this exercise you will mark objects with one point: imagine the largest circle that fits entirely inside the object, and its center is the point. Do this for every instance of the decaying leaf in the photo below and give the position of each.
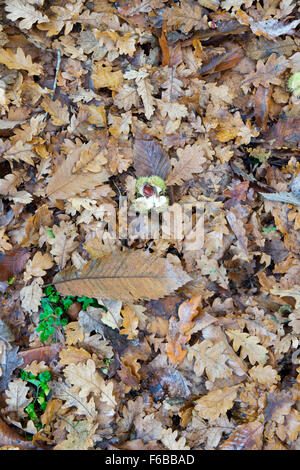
(149, 159)
(249, 346)
(12, 263)
(175, 329)
(68, 181)
(179, 331)
(246, 437)
(127, 276)
(216, 403)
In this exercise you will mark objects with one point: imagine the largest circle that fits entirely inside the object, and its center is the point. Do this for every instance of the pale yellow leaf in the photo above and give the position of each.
(17, 9)
(216, 403)
(264, 375)
(145, 90)
(59, 113)
(249, 346)
(17, 397)
(18, 61)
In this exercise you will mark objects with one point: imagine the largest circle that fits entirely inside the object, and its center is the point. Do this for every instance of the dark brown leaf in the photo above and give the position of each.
(12, 263)
(262, 106)
(149, 159)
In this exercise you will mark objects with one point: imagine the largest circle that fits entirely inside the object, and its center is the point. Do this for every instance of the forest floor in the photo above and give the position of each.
(149, 224)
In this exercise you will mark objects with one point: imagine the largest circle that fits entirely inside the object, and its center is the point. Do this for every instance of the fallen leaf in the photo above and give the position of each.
(246, 437)
(126, 276)
(12, 263)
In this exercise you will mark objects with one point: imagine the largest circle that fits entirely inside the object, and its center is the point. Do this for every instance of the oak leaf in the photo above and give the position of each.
(62, 17)
(249, 346)
(130, 322)
(42, 218)
(105, 77)
(16, 398)
(216, 403)
(270, 29)
(67, 182)
(18, 61)
(36, 267)
(186, 17)
(63, 243)
(211, 358)
(125, 97)
(83, 406)
(179, 331)
(31, 296)
(126, 276)
(170, 441)
(264, 375)
(85, 380)
(190, 160)
(59, 113)
(17, 9)
(145, 90)
(268, 73)
(79, 436)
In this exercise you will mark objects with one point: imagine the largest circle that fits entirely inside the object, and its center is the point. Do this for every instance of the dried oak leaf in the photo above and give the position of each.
(246, 437)
(270, 29)
(186, 17)
(179, 331)
(269, 72)
(62, 17)
(104, 77)
(58, 113)
(31, 295)
(190, 160)
(16, 398)
(80, 436)
(63, 244)
(9, 362)
(126, 276)
(18, 61)
(249, 346)
(17, 9)
(130, 322)
(85, 379)
(170, 440)
(67, 182)
(71, 398)
(216, 403)
(42, 218)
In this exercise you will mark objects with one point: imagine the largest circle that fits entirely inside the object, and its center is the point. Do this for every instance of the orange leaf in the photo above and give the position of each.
(179, 330)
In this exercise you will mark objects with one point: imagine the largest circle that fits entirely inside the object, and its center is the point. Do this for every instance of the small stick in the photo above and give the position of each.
(56, 73)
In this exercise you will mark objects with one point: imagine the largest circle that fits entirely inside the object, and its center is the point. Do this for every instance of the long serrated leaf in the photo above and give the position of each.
(149, 159)
(283, 196)
(126, 276)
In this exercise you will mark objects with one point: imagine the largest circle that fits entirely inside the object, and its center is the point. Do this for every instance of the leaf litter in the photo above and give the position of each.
(152, 341)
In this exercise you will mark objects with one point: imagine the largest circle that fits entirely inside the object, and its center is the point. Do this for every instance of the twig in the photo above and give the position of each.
(56, 72)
